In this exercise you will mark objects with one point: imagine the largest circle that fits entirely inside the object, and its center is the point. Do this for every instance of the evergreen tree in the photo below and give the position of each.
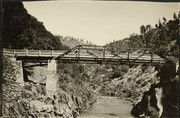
(175, 16)
(164, 19)
(148, 28)
(160, 24)
(143, 31)
(156, 25)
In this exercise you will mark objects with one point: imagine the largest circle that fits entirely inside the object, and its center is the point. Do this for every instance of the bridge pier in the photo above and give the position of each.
(51, 80)
(20, 74)
(19, 70)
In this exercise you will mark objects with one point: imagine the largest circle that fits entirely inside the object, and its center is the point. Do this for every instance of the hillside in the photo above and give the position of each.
(21, 30)
(72, 42)
(163, 39)
(153, 90)
(24, 90)
(151, 98)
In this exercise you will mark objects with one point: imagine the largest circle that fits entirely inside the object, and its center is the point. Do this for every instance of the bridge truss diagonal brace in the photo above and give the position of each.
(65, 53)
(139, 56)
(89, 52)
(116, 55)
(144, 54)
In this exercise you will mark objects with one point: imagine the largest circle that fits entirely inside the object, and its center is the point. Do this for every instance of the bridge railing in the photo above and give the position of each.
(17, 52)
(99, 52)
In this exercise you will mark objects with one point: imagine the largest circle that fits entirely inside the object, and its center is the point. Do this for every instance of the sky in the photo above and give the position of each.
(99, 22)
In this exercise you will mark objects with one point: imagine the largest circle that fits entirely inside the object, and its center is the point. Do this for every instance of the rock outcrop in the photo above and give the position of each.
(162, 99)
(32, 100)
(132, 84)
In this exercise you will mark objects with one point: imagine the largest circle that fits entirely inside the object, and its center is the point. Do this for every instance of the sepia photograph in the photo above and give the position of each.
(89, 59)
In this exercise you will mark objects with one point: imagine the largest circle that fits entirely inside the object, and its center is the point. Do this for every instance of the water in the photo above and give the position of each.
(109, 107)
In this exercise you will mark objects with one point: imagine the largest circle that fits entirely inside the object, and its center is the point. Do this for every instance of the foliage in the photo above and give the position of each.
(21, 30)
(118, 71)
(72, 42)
(74, 80)
(163, 39)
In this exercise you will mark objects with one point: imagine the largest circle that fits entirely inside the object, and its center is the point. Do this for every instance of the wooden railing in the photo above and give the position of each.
(83, 54)
(41, 53)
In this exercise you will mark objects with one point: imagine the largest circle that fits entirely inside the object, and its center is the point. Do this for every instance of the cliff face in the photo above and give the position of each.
(159, 99)
(32, 99)
(162, 99)
(170, 84)
(153, 91)
(133, 83)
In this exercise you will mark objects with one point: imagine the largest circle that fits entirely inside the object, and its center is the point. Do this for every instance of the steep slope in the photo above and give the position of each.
(73, 95)
(160, 99)
(21, 30)
(72, 42)
(132, 84)
(163, 39)
(77, 83)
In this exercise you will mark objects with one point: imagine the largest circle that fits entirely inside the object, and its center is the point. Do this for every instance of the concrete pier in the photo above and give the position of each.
(51, 80)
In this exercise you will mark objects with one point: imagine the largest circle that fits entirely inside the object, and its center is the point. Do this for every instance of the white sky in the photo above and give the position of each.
(99, 22)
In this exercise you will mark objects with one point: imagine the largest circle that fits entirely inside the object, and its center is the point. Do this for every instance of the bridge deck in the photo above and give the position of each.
(86, 54)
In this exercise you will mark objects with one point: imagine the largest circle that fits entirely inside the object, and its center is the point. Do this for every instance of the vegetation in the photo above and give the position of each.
(72, 42)
(21, 30)
(163, 39)
(83, 82)
(74, 80)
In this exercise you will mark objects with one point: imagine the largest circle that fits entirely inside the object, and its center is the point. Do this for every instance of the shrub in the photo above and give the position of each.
(125, 68)
(28, 87)
(144, 67)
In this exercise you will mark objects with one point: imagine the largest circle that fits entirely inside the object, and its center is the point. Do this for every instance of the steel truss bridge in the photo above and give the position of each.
(89, 54)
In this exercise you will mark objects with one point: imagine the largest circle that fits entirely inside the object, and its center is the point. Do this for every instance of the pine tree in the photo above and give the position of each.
(156, 25)
(160, 24)
(143, 31)
(148, 28)
(165, 20)
(175, 16)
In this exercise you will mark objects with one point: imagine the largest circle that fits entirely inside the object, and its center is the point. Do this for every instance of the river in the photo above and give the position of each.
(109, 107)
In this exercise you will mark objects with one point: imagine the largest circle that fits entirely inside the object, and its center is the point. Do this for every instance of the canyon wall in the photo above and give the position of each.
(162, 99)
(32, 99)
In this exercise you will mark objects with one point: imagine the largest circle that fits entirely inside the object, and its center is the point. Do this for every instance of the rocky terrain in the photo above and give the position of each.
(160, 98)
(132, 84)
(148, 88)
(72, 42)
(31, 99)
(24, 91)
(153, 90)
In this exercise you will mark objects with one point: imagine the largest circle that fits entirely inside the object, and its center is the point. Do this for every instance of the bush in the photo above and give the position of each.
(28, 87)
(129, 79)
(117, 73)
(125, 68)
(144, 67)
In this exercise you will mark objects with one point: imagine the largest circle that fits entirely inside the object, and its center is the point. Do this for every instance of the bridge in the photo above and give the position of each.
(89, 54)
(79, 54)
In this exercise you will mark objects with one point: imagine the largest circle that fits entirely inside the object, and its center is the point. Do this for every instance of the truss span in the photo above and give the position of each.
(90, 54)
